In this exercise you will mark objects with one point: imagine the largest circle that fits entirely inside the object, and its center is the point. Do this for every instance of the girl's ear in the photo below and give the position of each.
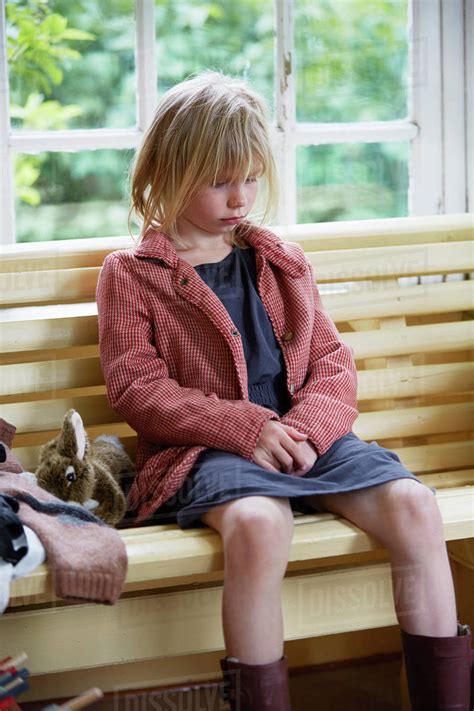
(72, 439)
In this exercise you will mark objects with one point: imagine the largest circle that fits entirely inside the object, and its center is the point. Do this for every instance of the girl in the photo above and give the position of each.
(216, 349)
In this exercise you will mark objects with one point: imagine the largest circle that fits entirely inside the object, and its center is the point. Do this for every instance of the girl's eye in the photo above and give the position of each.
(222, 183)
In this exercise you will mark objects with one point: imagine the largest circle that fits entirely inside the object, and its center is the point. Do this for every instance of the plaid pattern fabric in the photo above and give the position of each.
(174, 365)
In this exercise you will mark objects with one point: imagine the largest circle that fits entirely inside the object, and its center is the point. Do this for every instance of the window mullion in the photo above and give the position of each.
(7, 191)
(285, 106)
(469, 99)
(145, 62)
(307, 134)
(84, 139)
(454, 137)
(425, 108)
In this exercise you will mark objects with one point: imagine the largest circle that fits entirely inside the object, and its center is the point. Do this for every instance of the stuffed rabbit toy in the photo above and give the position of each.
(75, 470)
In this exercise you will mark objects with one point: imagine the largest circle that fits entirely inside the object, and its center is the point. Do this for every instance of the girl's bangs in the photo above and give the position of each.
(235, 155)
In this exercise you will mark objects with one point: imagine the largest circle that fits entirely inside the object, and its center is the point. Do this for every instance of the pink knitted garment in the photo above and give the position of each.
(87, 559)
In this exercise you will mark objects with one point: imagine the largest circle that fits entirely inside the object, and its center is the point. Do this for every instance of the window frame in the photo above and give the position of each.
(438, 125)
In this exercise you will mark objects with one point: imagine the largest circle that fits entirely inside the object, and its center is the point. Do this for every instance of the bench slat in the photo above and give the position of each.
(164, 555)
(70, 254)
(79, 285)
(38, 286)
(38, 437)
(60, 254)
(49, 333)
(417, 458)
(430, 338)
(53, 376)
(359, 301)
(368, 302)
(414, 381)
(96, 413)
(188, 622)
(387, 231)
(415, 421)
(83, 331)
(66, 378)
(436, 456)
(383, 262)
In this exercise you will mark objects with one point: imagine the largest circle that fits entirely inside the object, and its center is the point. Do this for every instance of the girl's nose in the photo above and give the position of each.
(236, 196)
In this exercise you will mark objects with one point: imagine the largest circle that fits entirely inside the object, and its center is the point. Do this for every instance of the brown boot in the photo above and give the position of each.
(472, 680)
(256, 687)
(438, 670)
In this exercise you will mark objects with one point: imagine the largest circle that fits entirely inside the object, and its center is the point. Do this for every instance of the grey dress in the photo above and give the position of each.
(218, 476)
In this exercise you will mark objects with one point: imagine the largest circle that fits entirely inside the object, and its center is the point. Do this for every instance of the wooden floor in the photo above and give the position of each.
(371, 686)
(366, 686)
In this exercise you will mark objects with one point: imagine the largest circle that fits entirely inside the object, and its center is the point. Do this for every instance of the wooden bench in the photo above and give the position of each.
(411, 337)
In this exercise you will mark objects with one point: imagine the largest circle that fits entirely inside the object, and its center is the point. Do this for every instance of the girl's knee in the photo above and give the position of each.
(395, 513)
(412, 506)
(258, 530)
(408, 495)
(257, 519)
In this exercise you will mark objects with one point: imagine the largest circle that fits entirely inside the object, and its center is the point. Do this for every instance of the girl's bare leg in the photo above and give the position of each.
(404, 517)
(256, 532)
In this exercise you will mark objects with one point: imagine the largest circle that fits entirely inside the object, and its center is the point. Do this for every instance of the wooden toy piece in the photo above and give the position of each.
(9, 704)
(79, 702)
(16, 662)
(13, 679)
(13, 687)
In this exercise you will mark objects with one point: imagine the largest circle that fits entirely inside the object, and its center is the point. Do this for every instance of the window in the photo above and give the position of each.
(367, 98)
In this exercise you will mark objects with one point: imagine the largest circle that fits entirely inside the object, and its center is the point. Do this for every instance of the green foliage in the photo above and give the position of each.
(351, 66)
(36, 47)
(351, 60)
(235, 37)
(27, 171)
(72, 65)
(40, 114)
(103, 82)
(352, 181)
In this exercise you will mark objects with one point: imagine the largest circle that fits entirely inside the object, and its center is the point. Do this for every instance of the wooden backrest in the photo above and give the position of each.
(411, 338)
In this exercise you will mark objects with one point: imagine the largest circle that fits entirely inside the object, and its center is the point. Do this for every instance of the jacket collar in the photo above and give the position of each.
(284, 255)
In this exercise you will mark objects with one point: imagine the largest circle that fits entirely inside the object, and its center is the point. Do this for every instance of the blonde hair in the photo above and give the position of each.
(203, 126)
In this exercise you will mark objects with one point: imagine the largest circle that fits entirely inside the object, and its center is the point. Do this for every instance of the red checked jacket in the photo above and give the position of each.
(174, 364)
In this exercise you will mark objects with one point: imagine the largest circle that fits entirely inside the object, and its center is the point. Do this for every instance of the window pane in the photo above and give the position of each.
(71, 195)
(71, 64)
(352, 181)
(351, 59)
(234, 37)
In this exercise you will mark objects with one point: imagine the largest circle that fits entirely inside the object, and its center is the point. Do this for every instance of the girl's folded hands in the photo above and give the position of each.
(283, 448)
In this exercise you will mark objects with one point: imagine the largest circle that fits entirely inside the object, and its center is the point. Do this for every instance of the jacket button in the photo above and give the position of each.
(292, 389)
(184, 281)
(234, 333)
(287, 337)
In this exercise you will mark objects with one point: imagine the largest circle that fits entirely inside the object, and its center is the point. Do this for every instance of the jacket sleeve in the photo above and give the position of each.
(325, 407)
(138, 384)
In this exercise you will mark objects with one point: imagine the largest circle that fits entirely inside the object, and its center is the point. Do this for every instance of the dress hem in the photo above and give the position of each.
(187, 520)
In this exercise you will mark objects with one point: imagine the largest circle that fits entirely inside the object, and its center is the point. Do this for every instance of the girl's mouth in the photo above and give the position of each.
(232, 220)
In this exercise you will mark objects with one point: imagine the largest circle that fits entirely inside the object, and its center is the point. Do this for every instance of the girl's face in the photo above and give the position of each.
(218, 208)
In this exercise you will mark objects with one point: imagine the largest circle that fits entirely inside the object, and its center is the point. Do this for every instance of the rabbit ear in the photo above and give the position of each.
(72, 439)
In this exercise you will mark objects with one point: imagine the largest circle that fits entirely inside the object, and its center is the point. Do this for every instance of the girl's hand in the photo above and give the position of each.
(305, 459)
(281, 446)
